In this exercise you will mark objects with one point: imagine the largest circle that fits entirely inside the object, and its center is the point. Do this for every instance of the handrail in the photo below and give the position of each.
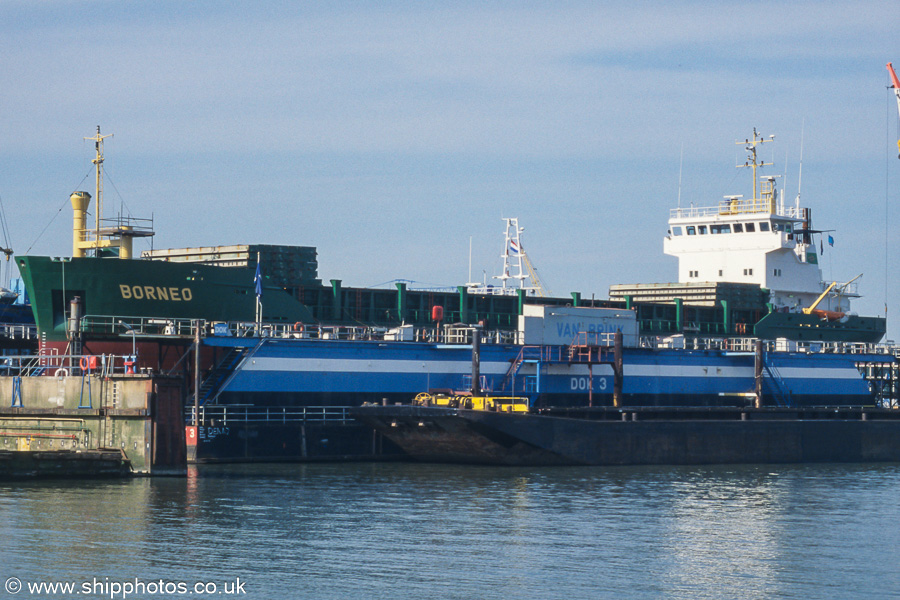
(156, 326)
(234, 371)
(12, 331)
(58, 365)
(224, 414)
(736, 206)
(453, 333)
(162, 327)
(748, 344)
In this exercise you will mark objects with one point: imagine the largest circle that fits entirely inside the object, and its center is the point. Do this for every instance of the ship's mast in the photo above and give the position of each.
(751, 157)
(98, 163)
(512, 255)
(515, 263)
(116, 233)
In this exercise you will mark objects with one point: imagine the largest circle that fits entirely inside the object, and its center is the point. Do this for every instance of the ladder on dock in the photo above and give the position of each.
(595, 348)
(766, 372)
(225, 371)
(587, 348)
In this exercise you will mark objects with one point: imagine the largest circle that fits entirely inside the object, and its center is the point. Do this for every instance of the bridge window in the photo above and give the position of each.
(764, 226)
(702, 229)
(751, 227)
(691, 230)
(738, 228)
(676, 230)
(725, 228)
(785, 227)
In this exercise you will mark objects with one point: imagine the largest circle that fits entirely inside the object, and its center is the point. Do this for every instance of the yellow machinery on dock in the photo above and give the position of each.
(512, 404)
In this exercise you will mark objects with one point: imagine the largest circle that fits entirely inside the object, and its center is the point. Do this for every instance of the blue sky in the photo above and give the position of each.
(388, 133)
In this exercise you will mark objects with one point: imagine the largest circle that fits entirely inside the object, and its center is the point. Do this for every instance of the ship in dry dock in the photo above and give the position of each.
(273, 361)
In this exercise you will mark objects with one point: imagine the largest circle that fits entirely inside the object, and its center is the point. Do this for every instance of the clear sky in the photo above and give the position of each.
(388, 133)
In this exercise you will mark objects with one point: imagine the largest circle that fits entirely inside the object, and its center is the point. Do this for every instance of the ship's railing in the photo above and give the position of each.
(64, 365)
(462, 334)
(748, 344)
(453, 333)
(736, 206)
(125, 225)
(223, 415)
(146, 326)
(161, 327)
(18, 331)
(847, 289)
(595, 338)
(297, 331)
(813, 347)
(736, 344)
(450, 334)
(498, 290)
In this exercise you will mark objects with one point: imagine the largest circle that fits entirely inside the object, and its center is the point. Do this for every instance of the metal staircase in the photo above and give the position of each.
(780, 393)
(587, 348)
(225, 371)
(527, 355)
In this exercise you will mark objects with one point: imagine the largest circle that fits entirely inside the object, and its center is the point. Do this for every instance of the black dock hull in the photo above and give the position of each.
(288, 442)
(62, 464)
(640, 437)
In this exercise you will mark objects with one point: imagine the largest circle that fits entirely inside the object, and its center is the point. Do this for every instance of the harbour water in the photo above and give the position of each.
(410, 531)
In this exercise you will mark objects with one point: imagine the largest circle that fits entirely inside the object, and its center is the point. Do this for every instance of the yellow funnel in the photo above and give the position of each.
(80, 202)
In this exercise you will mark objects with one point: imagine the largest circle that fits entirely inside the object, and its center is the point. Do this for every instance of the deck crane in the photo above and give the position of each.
(895, 83)
(812, 307)
(539, 287)
(829, 315)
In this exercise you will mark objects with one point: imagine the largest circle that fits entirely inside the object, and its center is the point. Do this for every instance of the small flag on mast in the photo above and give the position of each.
(257, 281)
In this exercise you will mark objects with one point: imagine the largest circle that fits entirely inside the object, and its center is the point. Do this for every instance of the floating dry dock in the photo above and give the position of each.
(100, 420)
(271, 359)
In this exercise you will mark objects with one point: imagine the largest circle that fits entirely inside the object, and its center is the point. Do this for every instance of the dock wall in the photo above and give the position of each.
(139, 416)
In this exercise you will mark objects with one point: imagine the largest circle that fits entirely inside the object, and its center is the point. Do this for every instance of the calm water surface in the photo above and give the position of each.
(424, 531)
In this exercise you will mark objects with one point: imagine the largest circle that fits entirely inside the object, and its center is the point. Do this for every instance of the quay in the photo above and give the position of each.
(83, 416)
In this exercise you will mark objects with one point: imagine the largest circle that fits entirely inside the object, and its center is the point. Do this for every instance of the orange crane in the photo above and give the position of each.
(896, 85)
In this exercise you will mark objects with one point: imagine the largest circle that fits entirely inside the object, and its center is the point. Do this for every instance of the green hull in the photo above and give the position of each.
(156, 289)
(811, 328)
(147, 288)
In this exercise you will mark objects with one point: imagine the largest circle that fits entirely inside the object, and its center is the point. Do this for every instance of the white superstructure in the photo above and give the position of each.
(754, 241)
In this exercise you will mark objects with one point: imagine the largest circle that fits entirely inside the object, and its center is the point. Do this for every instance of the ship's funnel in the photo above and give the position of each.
(80, 202)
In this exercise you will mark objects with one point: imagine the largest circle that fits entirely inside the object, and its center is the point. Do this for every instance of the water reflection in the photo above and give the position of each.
(421, 531)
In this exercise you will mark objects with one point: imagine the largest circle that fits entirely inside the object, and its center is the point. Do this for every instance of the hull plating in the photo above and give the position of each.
(755, 436)
(349, 373)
